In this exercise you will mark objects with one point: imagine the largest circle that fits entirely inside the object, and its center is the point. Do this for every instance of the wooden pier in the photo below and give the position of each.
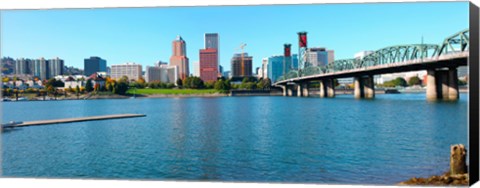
(72, 120)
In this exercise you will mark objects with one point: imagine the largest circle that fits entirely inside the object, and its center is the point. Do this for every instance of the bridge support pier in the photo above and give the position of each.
(299, 89)
(327, 88)
(442, 85)
(364, 87)
(284, 90)
(305, 89)
(289, 91)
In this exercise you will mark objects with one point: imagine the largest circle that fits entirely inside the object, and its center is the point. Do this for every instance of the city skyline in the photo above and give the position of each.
(119, 37)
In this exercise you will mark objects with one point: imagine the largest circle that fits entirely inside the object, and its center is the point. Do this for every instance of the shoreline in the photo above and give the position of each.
(208, 95)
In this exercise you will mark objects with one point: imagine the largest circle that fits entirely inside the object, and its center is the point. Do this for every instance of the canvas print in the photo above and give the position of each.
(315, 93)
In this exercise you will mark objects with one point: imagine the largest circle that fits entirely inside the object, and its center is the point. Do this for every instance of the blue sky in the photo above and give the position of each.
(144, 35)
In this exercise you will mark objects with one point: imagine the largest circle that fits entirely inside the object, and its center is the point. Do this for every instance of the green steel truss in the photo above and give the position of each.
(392, 54)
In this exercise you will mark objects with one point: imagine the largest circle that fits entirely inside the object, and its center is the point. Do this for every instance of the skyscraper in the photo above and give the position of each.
(208, 64)
(43, 68)
(239, 68)
(317, 56)
(275, 66)
(179, 57)
(211, 40)
(55, 67)
(94, 64)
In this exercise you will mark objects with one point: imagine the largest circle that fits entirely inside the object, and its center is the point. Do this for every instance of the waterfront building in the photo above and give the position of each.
(241, 68)
(209, 64)
(179, 57)
(56, 66)
(162, 73)
(275, 66)
(94, 64)
(73, 81)
(132, 70)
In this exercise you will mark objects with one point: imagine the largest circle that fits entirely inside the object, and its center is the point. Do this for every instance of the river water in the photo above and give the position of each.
(261, 139)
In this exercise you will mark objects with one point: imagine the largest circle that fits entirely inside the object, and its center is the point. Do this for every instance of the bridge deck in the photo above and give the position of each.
(456, 59)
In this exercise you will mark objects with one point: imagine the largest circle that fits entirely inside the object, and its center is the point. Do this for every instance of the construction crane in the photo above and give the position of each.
(241, 47)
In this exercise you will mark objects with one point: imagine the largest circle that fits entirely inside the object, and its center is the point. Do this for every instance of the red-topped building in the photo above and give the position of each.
(209, 64)
(179, 57)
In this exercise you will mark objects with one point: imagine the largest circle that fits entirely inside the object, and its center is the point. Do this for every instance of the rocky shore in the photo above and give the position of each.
(457, 175)
(442, 180)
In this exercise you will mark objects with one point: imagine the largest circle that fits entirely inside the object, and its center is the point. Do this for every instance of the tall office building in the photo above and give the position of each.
(211, 40)
(275, 65)
(179, 57)
(94, 64)
(55, 67)
(239, 68)
(131, 70)
(208, 64)
(317, 56)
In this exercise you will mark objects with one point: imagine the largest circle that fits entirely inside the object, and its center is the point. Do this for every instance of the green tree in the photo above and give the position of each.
(179, 83)
(89, 86)
(399, 81)
(121, 87)
(415, 80)
(193, 83)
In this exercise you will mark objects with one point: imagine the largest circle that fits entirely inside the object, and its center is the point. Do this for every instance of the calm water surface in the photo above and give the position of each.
(263, 139)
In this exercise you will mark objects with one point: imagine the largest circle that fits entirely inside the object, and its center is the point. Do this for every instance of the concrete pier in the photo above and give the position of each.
(442, 84)
(305, 89)
(289, 91)
(358, 88)
(323, 92)
(299, 89)
(71, 120)
(327, 88)
(364, 87)
(431, 85)
(330, 88)
(369, 87)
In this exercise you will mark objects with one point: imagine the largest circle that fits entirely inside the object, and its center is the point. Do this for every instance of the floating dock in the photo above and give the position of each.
(72, 120)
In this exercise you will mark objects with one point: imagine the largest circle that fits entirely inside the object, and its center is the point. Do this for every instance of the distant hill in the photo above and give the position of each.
(72, 71)
(8, 65)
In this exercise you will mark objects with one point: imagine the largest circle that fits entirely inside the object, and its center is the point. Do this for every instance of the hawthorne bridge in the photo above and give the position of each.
(440, 61)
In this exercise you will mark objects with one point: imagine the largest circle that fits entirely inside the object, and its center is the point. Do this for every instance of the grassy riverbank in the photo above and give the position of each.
(171, 91)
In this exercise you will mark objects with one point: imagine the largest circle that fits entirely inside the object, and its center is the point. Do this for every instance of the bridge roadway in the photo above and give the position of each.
(442, 79)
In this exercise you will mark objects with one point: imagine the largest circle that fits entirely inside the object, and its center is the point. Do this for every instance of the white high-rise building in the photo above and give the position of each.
(163, 73)
(264, 72)
(132, 70)
(196, 69)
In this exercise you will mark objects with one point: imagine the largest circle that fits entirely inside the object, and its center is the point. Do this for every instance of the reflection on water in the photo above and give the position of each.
(276, 139)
